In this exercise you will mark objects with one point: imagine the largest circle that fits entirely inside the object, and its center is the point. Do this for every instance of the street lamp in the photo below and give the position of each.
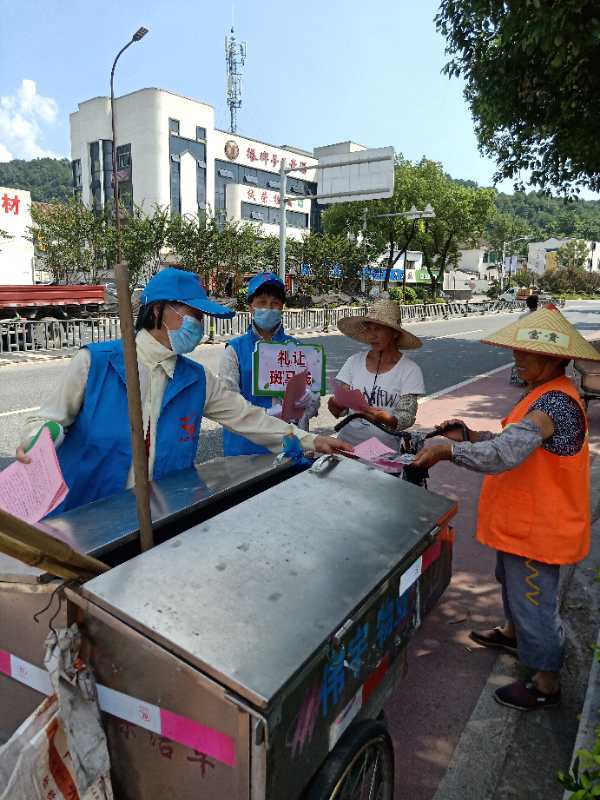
(139, 34)
(134, 399)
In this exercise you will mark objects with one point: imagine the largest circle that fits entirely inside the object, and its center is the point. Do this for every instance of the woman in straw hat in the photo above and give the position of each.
(534, 503)
(390, 382)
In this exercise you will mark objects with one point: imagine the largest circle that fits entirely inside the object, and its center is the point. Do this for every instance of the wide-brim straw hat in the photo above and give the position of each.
(384, 312)
(546, 332)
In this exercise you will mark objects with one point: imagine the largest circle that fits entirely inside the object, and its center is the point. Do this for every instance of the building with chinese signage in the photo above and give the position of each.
(16, 249)
(170, 154)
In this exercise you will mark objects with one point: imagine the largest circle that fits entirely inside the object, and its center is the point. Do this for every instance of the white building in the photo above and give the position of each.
(16, 252)
(542, 255)
(169, 153)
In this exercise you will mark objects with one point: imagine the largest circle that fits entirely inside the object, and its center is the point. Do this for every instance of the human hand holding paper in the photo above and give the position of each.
(349, 398)
(31, 491)
(293, 399)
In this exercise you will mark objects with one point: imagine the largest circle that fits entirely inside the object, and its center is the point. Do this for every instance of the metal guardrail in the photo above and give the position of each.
(27, 335)
(51, 335)
(419, 313)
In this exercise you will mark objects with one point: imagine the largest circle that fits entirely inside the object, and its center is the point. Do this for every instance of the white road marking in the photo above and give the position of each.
(19, 411)
(449, 389)
(456, 335)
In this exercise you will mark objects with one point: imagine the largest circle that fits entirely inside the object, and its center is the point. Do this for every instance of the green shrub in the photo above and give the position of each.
(407, 295)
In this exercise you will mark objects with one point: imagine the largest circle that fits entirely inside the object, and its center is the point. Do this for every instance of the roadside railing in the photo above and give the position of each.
(51, 335)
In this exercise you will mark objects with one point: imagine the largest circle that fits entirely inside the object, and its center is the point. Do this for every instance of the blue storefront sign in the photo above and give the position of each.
(335, 271)
(378, 274)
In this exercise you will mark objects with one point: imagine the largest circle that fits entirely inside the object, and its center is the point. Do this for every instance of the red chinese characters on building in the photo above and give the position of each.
(264, 197)
(10, 205)
(251, 154)
(293, 163)
(274, 160)
(264, 157)
(303, 166)
(251, 194)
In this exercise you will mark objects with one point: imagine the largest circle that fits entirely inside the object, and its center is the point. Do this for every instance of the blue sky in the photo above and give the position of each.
(317, 72)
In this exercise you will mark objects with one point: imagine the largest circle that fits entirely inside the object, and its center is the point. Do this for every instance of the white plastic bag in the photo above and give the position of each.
(59, 752)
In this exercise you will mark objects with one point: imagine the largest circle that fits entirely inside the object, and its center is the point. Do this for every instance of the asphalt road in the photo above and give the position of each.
(451, 353)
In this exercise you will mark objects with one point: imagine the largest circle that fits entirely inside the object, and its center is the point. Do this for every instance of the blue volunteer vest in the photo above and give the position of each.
(233, 443)
(95, 456)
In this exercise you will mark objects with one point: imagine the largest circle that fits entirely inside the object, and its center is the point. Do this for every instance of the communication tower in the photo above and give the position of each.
(235, 57)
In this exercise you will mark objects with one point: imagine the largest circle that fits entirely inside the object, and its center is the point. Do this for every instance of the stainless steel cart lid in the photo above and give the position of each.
(102, 526)
(251, 594)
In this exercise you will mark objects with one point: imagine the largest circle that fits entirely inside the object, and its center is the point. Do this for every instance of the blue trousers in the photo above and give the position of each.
(530, 599)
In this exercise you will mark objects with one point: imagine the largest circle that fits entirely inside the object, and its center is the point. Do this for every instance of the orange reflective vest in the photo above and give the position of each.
(540, 509)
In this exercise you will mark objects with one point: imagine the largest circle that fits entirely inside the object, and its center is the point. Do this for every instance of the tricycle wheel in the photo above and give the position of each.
(361, 767)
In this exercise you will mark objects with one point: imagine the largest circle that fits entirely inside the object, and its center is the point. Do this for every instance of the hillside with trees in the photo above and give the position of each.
(48, 179)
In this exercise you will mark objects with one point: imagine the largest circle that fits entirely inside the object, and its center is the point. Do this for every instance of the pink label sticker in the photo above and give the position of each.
(5, 662)
(431, 554)
(198, 737)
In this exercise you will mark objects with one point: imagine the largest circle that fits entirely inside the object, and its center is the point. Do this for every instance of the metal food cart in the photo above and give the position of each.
(250, 656)
(108, 529)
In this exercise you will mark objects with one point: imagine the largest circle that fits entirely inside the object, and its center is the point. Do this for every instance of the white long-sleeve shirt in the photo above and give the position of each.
(156, 364)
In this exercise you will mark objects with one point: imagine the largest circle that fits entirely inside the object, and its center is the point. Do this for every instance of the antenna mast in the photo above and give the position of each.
(235, 57)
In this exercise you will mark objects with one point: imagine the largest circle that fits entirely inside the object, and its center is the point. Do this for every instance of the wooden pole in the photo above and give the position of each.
(134, 402)
(34, 546)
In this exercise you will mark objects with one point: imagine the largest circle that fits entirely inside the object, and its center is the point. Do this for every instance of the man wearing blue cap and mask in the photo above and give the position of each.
(88, 417)
(266, 298)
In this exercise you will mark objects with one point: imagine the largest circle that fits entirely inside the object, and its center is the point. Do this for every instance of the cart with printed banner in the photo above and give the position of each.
(250, 653)
(250, 656)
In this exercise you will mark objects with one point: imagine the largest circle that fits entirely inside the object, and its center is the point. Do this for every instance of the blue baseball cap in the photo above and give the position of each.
(181, 286)
(265, 279)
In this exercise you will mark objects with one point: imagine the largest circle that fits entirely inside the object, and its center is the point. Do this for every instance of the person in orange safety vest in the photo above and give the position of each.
(534, 506)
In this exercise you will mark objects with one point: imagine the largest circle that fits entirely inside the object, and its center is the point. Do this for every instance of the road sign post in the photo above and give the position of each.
(341, 178)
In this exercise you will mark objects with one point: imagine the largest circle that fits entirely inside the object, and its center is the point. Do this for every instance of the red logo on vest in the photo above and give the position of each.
(188, 428)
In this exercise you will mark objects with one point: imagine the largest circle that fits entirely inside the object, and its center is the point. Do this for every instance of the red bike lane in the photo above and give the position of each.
(446, 671)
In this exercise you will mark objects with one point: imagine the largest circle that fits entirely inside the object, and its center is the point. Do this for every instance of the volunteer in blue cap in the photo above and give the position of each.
(88, 417)
(266, 298)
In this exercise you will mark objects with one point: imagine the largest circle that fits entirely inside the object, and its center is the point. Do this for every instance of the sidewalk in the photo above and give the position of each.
(446, 700)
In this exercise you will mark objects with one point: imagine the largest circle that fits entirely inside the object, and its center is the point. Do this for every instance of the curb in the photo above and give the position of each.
(590, 719)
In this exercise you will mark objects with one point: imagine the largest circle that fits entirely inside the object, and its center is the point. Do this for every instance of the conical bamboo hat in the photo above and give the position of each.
(545, 331)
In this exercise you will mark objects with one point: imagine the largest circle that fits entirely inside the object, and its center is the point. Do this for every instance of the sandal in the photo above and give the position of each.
(495, 638)
(525, 697)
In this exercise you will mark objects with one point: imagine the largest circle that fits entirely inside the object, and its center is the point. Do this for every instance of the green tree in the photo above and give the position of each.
(375, 220)
(462, 212)
(531, 83)
(194, 240)
(143, 239)
(49, 180)
(238, 250)
(75, 244)
(525, 277)
(572, 255)
(326, 262)
(461, 216)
